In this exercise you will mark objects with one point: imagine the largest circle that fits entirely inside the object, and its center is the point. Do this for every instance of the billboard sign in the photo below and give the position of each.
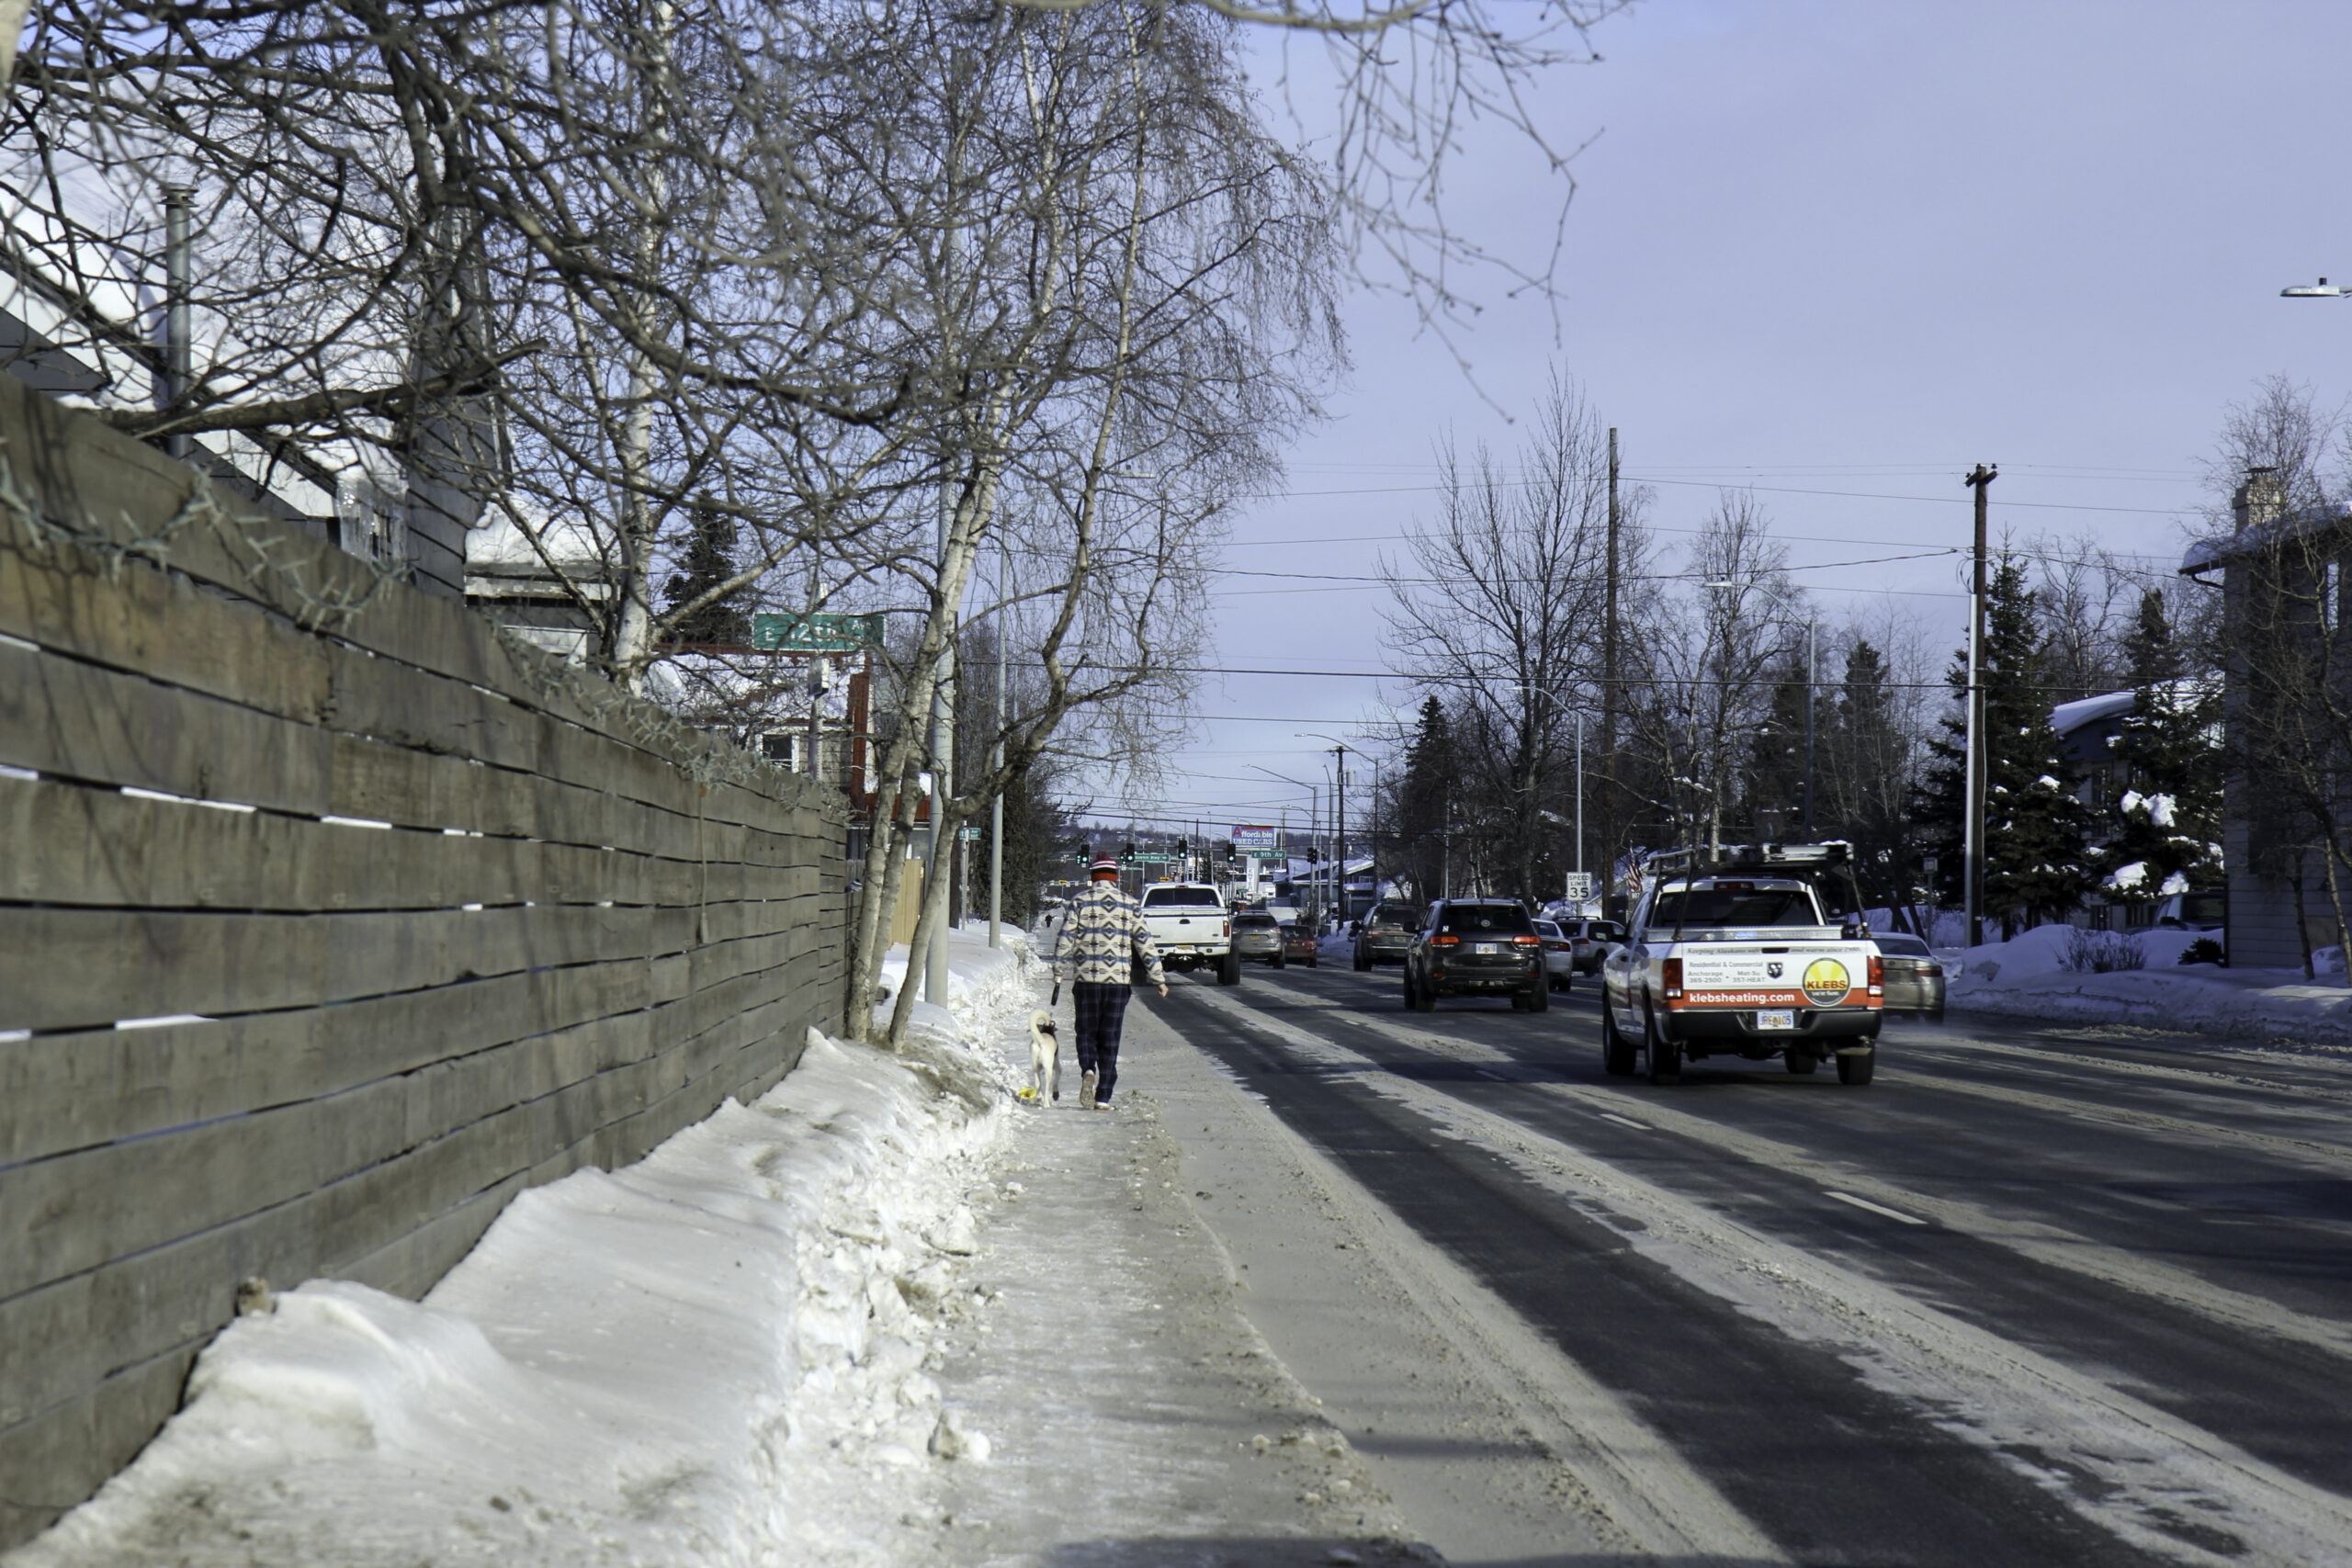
(1254, 838)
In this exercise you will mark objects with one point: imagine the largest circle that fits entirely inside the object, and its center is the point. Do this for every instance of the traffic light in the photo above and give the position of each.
(1179, 849)
(1127, 850)
(1313, 854)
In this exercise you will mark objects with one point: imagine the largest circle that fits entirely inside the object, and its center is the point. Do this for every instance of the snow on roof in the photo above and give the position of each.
(2219, 550)
(2067, 717)
(501, 548)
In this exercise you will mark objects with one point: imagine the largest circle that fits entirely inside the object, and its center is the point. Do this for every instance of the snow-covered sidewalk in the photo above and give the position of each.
(886, 1315)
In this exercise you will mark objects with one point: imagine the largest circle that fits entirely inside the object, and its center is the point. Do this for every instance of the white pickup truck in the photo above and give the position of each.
(1191, 927)
(1739, 960)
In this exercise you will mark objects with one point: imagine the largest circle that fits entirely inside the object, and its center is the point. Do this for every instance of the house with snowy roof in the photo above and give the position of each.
(2287, 717)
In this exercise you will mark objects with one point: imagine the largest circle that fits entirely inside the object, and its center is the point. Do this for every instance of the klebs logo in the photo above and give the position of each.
(1827, 981)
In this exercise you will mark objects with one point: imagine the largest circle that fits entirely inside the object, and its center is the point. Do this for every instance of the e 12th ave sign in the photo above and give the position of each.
(787, 632)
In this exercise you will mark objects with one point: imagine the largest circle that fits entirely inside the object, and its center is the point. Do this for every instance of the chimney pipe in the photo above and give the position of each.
(179, 354)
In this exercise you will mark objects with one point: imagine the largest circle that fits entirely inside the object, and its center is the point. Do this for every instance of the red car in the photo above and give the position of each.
(1299, 947)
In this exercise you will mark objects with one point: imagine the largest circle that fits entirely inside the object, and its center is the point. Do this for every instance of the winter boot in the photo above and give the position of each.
(1086, 1092)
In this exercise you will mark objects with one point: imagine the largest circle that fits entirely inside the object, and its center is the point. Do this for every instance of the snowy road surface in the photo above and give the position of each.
(2049, 1298)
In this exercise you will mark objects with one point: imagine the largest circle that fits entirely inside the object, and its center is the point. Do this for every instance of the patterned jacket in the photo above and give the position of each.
(1103, 933)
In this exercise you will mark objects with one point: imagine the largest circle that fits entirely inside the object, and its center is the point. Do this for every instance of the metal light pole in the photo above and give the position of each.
(1314, 806)
(1811, 625)
(1558, 702)
(1338, 816)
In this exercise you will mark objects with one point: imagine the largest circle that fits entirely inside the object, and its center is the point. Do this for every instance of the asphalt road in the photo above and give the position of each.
(2035, 1296)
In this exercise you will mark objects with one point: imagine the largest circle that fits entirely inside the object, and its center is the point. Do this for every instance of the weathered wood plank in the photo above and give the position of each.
(76, 968)
(72, 844)
(111, 492)
(70, 1212)
(59, 1092)
(55, 1458)
(62, 716)
(72, 1090)
(150, 623)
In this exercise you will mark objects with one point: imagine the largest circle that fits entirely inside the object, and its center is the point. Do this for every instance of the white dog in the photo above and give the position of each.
(1045, 1058)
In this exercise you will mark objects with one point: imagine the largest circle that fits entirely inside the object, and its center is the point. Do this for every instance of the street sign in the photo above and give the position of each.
(969, 830)
(1149, 858)
(1258, 839)
(790, 632)
(1579, 887)
(1279, 857)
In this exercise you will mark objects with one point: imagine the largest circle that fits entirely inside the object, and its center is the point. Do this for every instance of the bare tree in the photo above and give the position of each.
(1705, 670)
(1494, 609)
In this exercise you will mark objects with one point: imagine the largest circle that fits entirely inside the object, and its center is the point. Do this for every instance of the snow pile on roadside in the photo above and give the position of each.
(716, 1355)
(2029, 976)
(982, 981)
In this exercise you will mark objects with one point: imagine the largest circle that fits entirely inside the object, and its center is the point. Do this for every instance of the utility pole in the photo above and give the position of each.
(1609, 792)
(1979, 480)
(1811, 665)
(1340, 831)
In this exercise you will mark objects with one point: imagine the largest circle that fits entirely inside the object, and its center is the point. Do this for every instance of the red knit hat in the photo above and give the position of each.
(1105, 864)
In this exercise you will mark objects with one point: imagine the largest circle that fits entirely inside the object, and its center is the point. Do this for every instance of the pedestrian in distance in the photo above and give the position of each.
(1104, 941)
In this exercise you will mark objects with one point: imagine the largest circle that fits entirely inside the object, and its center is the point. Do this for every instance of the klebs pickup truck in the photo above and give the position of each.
(1191, 927)
(1738, 960)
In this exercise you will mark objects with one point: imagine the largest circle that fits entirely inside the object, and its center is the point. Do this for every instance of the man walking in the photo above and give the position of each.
(1104, 936)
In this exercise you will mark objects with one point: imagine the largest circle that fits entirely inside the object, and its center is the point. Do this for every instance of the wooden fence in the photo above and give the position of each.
(330, 918)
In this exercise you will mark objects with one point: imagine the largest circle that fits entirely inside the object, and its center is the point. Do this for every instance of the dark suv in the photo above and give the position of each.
(1477, 946)
(1386, 935)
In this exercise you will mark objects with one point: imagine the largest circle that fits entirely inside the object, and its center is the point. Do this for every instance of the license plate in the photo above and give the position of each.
(1776, 1018)
(1485, 947)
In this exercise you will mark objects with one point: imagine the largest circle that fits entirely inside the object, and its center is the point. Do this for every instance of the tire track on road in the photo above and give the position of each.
(2159, 1482)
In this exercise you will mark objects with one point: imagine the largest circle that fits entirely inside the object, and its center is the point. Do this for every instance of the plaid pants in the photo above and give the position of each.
(1101, 1013)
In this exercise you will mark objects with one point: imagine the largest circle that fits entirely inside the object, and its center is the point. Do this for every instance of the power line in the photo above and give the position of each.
(1709, 484)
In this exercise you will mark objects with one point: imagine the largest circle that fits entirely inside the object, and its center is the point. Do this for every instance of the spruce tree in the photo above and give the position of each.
(709, 561)
(1940, 802)
(2036, 831)
(1862, 771)
(2167, 818)
(1775, 782)
(1432, 776)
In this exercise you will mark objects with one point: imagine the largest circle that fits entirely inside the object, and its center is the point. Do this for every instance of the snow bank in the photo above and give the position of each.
(2029, 976)
(715, 1356)
(982, 981)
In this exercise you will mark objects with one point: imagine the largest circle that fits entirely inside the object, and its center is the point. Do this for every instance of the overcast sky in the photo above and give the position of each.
(1840, 249)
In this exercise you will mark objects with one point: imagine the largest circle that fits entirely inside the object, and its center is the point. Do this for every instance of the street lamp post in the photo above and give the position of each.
(1811, 625)
(1559, 702)
(1338, 816)
(1314, 800)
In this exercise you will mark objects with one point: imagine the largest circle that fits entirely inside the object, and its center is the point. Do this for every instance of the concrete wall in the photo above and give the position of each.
(329, 920)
